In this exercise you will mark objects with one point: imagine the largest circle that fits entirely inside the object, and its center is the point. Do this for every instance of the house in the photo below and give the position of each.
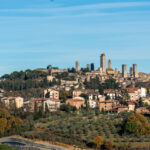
(113, 94)
(119, 109)
(146, 101)
(13, 101)
(92, 103)
(52, 104)
(50, 78)
(133, 96)
(131, 106)
(136, 93)
(26, 106)
(77, 92)
(40, 103)
(1, 92)
(52, 94)
(92, 94)
(36, 103)
(142, 92)
(107, 104)
(77, 102)
(101, 98)
(67, 88)
(68, 83)
(142, 110)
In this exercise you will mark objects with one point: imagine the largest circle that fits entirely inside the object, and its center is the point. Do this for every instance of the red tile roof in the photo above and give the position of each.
(75, 99)
(132, 90)
(44, 99)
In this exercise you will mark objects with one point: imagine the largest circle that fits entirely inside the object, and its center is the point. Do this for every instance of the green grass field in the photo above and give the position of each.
(6, 147)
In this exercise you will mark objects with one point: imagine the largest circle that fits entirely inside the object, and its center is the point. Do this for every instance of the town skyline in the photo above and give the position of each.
(97, 65)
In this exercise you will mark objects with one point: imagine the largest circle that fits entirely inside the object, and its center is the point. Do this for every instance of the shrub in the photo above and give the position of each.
(108, 145)
(137, 124)
(98, 141)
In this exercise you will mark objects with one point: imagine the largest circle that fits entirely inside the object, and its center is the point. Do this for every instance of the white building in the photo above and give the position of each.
(142, 92)
(112, 93)
(92, 103)
(136, 93)
(52, 104)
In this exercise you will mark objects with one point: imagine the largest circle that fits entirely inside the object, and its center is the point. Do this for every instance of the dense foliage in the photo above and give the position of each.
(8, 123)
(111, 84)
(26, 94)
(137, 124)
(95, 84)
(18, 85)
(24, 75)
(19, 81)
(65, 76)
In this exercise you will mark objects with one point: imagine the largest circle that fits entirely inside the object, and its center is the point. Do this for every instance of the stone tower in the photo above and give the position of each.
(124, 71)
(135, 72)
(88, 67)
(92, 67)
(77, 66)
(131, 72)
(109, 64)
(103, 62)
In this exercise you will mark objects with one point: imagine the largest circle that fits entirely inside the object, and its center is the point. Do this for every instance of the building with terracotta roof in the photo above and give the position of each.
(107, 104)
(93, 95)
(142, 110)
(13, 102)
(113, 94)
(119, 109)
(136, 93)
(77, 102)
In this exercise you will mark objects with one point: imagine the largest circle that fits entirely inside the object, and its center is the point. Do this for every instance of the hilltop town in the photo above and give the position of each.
(52, 91)
(106, 88)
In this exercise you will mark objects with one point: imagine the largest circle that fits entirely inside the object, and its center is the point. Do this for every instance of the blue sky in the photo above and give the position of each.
(35, 33)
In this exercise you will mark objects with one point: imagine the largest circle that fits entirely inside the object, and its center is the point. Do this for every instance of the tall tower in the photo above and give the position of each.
(135, 72)
(92, 67)
(131, 72)
(109, 64)
(77, 66)
(103, 62)
(88, 67)
(124, 71)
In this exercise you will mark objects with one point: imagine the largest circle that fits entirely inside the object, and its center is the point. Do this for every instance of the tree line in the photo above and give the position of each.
(24, 75)
(19, 85)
